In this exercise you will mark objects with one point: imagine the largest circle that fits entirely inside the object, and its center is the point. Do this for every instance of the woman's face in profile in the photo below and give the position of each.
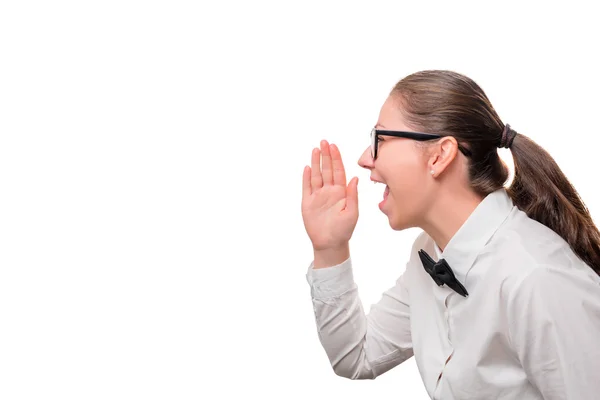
(401, 166)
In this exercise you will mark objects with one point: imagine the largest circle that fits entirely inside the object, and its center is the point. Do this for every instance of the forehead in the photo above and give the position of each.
(390, 115)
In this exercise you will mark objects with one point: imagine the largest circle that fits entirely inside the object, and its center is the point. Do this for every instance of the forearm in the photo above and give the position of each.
(359, 346)
(342, 323)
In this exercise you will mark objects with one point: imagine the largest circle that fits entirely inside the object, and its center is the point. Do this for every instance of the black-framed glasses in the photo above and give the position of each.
(422, 137)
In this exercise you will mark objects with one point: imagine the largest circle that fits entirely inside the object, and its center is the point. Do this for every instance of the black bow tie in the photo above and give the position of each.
(442, 273)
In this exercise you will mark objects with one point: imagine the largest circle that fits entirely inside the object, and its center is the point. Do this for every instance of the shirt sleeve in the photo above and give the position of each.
(359, 346)
(554, 328)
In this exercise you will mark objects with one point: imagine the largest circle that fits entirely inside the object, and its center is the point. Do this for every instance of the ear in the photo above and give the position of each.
(442, 154)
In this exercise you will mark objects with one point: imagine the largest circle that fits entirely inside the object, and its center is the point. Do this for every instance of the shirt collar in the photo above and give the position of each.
(469, 241)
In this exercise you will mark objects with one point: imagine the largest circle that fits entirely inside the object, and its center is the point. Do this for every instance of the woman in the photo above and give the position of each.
(501, 295)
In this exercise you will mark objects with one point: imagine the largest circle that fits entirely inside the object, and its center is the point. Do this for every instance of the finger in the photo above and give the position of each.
(316, 180)
(352, 195)
(327, 171)
(306, 190)
(339, 173)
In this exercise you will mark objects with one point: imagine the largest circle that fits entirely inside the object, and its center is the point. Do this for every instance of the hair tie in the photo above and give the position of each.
(508, 135)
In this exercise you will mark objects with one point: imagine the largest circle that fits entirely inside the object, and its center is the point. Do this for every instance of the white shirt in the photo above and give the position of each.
(529, 329)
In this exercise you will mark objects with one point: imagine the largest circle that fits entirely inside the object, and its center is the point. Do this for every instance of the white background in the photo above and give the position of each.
(151, 155)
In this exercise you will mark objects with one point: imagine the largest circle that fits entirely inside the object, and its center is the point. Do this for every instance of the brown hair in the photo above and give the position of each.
(449, 103)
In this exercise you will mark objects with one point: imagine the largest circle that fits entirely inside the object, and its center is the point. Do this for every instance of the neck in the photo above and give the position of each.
(449, 212)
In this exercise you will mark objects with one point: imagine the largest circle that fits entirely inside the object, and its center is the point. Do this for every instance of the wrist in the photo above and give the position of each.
(329, 257)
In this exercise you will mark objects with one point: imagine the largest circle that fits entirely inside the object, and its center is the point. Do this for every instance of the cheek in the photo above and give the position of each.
(408, 193)
(408, 179)
(401, 164)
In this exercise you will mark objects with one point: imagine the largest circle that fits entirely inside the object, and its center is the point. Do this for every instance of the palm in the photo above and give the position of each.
(329, 207)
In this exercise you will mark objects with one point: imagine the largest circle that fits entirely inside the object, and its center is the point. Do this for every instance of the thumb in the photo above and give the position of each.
(352, 195)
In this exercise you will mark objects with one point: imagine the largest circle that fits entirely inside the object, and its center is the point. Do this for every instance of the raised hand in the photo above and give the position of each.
(329, 206)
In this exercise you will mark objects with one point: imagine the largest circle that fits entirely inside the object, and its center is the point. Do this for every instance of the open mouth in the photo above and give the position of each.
(386, 193)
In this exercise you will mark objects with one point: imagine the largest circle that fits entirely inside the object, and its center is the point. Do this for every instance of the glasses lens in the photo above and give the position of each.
(373, 143)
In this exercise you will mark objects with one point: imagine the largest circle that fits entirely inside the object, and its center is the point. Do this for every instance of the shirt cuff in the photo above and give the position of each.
(332, 281)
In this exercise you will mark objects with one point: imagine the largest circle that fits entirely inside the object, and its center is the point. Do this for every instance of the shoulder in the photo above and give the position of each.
(538, 273)
(528, 257)
(523, 245)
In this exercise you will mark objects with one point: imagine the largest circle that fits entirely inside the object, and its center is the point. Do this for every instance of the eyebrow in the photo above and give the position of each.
(379, 125)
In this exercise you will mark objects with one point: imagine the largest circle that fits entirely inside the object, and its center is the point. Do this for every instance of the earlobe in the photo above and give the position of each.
(435, 164)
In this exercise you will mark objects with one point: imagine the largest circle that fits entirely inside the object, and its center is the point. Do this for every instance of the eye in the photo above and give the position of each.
(379, 139)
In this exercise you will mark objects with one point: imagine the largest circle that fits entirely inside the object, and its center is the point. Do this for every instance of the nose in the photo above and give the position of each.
(366, 160)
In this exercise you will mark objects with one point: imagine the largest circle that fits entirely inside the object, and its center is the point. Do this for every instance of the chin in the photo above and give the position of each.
(399, 225)
(399, 220)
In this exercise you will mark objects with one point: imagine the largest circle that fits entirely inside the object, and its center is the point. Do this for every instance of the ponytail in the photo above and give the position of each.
(544, 193)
